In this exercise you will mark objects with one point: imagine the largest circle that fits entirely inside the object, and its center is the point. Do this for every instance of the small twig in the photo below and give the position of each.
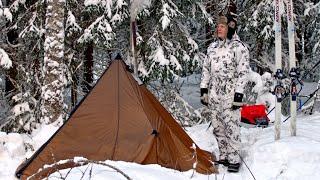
(90, 173)
(84, 172)
(14, 45)
(105, 164)
(68, 173)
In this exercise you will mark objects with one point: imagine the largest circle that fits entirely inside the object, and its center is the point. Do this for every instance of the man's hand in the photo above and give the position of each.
(237, 101)
(204, 96)
(204, 99)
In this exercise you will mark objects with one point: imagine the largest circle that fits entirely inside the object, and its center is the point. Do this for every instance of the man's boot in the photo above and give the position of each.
(234, 167)
(224, 162)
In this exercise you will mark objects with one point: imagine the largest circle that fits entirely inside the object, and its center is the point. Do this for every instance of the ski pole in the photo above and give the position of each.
(311, 95)
(308, 72)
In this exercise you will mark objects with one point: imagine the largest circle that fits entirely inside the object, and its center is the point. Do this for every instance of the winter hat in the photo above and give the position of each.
(222, 20)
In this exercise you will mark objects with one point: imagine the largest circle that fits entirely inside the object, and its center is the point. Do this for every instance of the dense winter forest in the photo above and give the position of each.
(52, 52)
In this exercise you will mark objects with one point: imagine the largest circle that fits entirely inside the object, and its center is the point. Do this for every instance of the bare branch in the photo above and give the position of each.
(14, 45)
(76, 163)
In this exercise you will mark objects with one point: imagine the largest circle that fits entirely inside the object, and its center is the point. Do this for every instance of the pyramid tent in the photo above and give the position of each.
(118, 120)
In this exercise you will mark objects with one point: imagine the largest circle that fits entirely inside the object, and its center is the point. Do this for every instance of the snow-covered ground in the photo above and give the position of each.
(289, 158)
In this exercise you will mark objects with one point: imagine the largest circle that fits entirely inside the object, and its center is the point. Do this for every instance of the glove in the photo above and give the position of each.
(237, 101)
(204, 96)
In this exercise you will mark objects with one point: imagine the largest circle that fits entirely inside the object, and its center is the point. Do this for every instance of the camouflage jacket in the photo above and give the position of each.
(226, 66)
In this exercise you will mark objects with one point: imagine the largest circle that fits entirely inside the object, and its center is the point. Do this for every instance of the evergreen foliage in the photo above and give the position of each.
(172, 37)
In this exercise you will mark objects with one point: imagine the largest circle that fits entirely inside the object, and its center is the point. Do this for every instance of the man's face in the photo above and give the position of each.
(222, 31)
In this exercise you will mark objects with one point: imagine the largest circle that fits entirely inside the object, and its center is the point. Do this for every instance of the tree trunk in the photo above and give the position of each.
(74, 84)
(12, 72)
(53, 66)
(209, 30)
(88, 67)
(5, 2)
(10, 79)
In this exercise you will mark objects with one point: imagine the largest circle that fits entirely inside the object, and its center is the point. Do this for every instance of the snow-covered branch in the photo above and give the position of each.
(71, 25)
(5, 61)
(6, 13)
(137, 6)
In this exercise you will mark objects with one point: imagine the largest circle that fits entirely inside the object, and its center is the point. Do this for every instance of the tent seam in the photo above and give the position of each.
(118, 113)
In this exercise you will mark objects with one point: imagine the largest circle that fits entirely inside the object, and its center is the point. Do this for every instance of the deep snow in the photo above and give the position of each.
(288, 158)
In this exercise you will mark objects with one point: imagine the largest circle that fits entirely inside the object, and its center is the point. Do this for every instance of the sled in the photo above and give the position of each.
(254, 116)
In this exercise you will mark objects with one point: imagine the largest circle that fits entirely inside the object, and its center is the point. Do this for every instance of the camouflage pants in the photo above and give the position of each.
(226, 128)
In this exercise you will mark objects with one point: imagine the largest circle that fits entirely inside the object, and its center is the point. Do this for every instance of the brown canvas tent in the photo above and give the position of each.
(118, 120)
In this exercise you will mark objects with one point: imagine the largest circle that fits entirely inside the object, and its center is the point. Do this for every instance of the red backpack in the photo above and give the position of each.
(255, 115)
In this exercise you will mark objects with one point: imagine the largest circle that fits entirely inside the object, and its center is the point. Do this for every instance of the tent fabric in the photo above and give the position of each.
(119, 120)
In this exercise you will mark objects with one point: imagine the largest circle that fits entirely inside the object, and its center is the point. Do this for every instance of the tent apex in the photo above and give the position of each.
(118, 57)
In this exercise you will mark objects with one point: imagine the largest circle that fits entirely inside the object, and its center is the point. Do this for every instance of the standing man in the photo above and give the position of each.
(222, 85)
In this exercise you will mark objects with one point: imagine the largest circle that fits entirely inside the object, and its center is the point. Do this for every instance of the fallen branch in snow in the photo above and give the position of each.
(110, 166)
(62, 164)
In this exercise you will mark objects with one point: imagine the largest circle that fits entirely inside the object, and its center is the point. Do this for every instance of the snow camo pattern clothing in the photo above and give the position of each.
(224, 73)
